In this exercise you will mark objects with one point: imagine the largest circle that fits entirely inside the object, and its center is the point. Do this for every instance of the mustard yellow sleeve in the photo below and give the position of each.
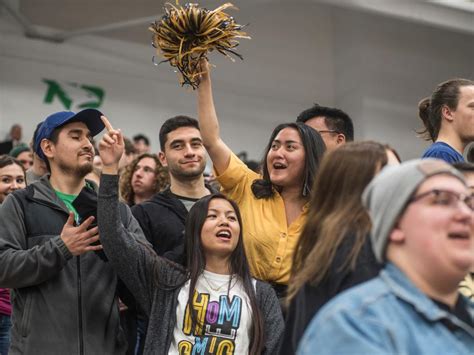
(237, 179)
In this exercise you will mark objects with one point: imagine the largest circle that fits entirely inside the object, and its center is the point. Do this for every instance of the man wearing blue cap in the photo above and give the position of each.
(63, 295)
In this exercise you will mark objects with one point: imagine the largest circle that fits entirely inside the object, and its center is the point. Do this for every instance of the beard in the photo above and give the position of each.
(80, 171)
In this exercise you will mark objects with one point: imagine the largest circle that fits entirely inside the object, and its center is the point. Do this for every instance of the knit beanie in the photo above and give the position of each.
(388, 194)
(15, 152)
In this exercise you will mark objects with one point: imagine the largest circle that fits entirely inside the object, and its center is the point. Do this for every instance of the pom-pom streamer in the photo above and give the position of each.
(186, 34)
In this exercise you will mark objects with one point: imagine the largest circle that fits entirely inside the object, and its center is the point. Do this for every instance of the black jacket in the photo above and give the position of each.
(309, 299)
(6, 147)
(162, 220)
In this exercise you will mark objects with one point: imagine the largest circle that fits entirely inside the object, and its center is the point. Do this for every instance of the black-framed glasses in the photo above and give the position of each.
(327, 131)
(446, 198)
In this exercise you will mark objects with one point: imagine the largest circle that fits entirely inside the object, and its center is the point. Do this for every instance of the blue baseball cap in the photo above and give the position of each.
(90, 117)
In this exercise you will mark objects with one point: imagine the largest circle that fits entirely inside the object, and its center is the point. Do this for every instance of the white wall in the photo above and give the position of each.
(252, 96)
(384, 67)
(373, 67)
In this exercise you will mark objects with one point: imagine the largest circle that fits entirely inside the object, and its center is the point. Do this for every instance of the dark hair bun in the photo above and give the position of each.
(424, 110)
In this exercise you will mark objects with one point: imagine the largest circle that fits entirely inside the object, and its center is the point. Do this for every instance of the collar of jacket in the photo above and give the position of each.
(42, 192)
(404, 289)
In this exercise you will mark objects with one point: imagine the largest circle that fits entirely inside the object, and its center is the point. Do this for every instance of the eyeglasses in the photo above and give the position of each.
(327, 131)
(446, 198)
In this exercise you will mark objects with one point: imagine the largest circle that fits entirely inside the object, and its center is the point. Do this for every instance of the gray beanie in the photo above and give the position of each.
(387, 196)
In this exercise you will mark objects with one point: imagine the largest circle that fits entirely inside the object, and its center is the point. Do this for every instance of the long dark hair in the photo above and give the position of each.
(430, 108)
(239, 267)
(314, 148)
(335, 210)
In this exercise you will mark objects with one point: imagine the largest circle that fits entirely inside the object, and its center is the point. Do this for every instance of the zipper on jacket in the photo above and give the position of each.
(79, 305)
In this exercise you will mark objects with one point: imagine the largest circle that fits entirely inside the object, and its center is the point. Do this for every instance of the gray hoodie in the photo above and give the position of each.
(61, 304)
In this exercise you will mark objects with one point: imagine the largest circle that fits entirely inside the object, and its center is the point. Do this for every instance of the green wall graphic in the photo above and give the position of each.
(64, 93)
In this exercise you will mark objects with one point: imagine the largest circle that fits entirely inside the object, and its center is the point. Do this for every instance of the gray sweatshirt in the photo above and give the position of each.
(156, 282)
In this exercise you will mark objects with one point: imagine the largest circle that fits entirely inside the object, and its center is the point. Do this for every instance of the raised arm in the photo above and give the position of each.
(121, 236)
(209, 123)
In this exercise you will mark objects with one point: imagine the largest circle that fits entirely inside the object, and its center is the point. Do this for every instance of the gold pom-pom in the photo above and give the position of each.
(186, 34)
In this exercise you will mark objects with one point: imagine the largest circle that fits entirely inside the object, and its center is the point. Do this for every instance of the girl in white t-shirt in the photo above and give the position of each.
(225, 317)
(212, 306)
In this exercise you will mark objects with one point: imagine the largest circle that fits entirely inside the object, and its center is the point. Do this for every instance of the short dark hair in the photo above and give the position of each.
(174, 123)
(141, 137)
(334, 118)
(54, 138)
(314, 149)
(35, 133)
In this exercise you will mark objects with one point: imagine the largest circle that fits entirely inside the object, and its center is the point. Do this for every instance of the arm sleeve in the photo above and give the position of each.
(20, 266)
(237, 179)
(272, 317)
(125, 246)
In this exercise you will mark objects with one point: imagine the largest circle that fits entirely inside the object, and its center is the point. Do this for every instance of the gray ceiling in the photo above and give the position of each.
(72, 15)
(128, 19)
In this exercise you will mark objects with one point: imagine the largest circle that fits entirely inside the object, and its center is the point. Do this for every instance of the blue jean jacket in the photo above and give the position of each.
(387, 315)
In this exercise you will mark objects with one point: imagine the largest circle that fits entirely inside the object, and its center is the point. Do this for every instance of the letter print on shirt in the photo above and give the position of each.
(222, 321)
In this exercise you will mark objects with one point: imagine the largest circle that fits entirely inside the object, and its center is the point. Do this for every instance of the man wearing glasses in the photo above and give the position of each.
(334, 125)
(422, 214)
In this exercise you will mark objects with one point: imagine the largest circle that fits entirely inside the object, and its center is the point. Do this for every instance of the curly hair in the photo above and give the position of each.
(161, 178)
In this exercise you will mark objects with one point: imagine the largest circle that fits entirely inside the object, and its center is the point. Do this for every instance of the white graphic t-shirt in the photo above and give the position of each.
(226, 318)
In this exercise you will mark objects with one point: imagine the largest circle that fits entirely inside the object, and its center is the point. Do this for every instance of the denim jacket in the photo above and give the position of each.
(387, 315)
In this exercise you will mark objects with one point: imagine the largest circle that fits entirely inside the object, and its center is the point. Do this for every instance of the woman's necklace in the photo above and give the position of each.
(214, 288)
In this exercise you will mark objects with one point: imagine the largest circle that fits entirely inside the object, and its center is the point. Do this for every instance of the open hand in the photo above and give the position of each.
(77, 238)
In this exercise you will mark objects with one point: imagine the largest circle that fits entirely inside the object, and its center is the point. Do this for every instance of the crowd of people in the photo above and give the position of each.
(330, 246)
